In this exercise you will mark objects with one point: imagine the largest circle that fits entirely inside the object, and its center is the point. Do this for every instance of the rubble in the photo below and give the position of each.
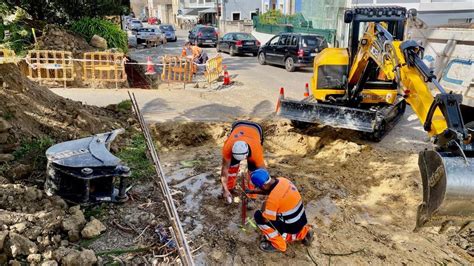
(36, 227)
(75, 222)
(98, 42)
(92, 229)
(19, 245)
(57, 38)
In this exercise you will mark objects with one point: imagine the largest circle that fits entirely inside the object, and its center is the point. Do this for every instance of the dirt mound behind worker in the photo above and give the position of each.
(176, 135)
(33, 111)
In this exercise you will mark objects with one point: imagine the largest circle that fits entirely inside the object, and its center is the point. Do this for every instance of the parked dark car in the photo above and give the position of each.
(203, 35)
(169, 32)
(238, 43)
(291, 50)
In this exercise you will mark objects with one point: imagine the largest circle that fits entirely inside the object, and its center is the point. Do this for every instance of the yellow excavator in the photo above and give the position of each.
(366, 87)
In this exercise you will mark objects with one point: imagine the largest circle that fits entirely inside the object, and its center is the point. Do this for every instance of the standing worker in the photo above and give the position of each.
(244, 142)
(282, 218)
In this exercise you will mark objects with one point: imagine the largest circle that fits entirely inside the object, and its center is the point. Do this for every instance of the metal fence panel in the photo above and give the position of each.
(177, 69)
(50, 65)
(104, 66)
(7, 56)
(213, 68)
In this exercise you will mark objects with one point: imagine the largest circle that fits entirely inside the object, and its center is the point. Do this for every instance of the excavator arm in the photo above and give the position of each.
(448, 170)
(379, 59)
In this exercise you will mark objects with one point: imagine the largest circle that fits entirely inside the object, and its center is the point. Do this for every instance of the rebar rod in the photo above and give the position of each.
(183, 248)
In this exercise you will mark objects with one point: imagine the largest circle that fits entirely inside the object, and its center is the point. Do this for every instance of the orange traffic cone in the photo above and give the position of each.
(150, 69)
(280, 97)
(226, 76)
(183, 52)
(306, 90)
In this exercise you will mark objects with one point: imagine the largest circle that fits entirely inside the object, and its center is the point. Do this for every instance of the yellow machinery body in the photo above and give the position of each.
(339, 58)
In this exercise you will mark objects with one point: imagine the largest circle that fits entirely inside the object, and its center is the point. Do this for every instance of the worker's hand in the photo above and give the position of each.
(227, 196)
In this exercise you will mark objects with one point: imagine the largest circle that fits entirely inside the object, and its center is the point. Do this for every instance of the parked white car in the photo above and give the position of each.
(149, 33)
(135, 24)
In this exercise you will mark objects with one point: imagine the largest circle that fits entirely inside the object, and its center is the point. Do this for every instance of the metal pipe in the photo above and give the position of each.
(183, 248)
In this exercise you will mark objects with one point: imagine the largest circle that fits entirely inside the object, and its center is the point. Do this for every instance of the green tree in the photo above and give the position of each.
(62, 11)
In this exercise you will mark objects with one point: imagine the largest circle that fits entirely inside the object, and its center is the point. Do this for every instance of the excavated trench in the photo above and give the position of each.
(360, 200)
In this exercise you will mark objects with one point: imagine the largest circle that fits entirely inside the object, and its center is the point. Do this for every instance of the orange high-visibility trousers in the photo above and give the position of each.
(232, 180)
(279, 241)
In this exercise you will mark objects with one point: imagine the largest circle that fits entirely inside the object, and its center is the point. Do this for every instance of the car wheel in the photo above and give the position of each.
(254, 54)
(232, 51)
(289, 64)
(175, 39)
(261, 58)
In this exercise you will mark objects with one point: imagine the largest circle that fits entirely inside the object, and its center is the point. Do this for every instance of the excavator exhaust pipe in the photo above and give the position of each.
(448, 189)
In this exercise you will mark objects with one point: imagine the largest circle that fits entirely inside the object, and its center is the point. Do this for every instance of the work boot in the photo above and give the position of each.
(267, 246)
(308, 238)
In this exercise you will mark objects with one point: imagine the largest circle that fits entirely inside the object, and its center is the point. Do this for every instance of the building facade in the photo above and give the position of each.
(161, 9)
(139, 7)
(287, 7)
(240, 10)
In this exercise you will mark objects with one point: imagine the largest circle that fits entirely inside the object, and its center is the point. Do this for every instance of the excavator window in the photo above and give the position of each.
(332, 77)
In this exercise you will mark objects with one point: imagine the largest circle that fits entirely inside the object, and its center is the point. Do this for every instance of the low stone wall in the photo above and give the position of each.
(235, 26)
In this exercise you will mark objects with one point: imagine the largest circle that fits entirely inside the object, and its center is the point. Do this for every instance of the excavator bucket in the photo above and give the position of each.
(448, 189)
(331, 115)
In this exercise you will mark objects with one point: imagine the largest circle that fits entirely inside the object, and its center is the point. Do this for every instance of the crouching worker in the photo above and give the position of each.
(282, 219)
(244, 143)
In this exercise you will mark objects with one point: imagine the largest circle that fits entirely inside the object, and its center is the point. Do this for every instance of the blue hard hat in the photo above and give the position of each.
(260, 177)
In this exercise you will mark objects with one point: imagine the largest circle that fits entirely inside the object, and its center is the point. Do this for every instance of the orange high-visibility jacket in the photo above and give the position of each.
(252, 137)
(284, 204)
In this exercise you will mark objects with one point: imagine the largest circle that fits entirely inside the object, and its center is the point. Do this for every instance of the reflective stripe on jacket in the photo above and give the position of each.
(285, 204)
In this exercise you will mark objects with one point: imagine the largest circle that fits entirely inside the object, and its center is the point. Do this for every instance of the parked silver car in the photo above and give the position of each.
(169, 32)
(145, 34)
(135, 24)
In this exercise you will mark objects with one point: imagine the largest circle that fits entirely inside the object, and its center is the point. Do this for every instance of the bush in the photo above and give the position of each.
(271, 17)
(88, 27)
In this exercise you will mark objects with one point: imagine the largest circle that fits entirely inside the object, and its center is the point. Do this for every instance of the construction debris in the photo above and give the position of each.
(36, 227)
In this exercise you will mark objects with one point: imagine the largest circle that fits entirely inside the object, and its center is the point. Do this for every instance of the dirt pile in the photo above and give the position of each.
(36, 228)
(361, 200)
(57, 38)
(30, 111)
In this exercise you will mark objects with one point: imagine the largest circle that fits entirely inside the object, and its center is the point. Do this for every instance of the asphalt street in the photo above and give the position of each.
(254, 95)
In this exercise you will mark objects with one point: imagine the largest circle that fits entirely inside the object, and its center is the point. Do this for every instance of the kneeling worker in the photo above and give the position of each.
(283, 218)
(244, 142)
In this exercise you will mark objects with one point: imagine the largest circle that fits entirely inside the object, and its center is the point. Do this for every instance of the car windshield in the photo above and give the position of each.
(136, 22)
(206, 30)
(310, 41)
(244, 36)
(166, 27)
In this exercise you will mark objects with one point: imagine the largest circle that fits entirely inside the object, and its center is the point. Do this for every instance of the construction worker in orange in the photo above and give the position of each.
(245, 142)
(282, 219)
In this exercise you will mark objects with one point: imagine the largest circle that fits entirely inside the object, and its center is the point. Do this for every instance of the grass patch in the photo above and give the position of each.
(33, 151)
(8, 116)
(134, 155)
(125, 105)
(95, 211)
(85, 243)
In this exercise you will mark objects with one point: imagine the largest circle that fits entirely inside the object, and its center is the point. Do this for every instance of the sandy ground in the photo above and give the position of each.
(361, 199)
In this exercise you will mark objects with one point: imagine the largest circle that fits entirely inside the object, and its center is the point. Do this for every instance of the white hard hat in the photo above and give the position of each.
(240, 150)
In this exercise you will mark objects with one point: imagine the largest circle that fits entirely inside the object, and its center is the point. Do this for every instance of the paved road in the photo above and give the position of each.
(254, 95)
(255, 92)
